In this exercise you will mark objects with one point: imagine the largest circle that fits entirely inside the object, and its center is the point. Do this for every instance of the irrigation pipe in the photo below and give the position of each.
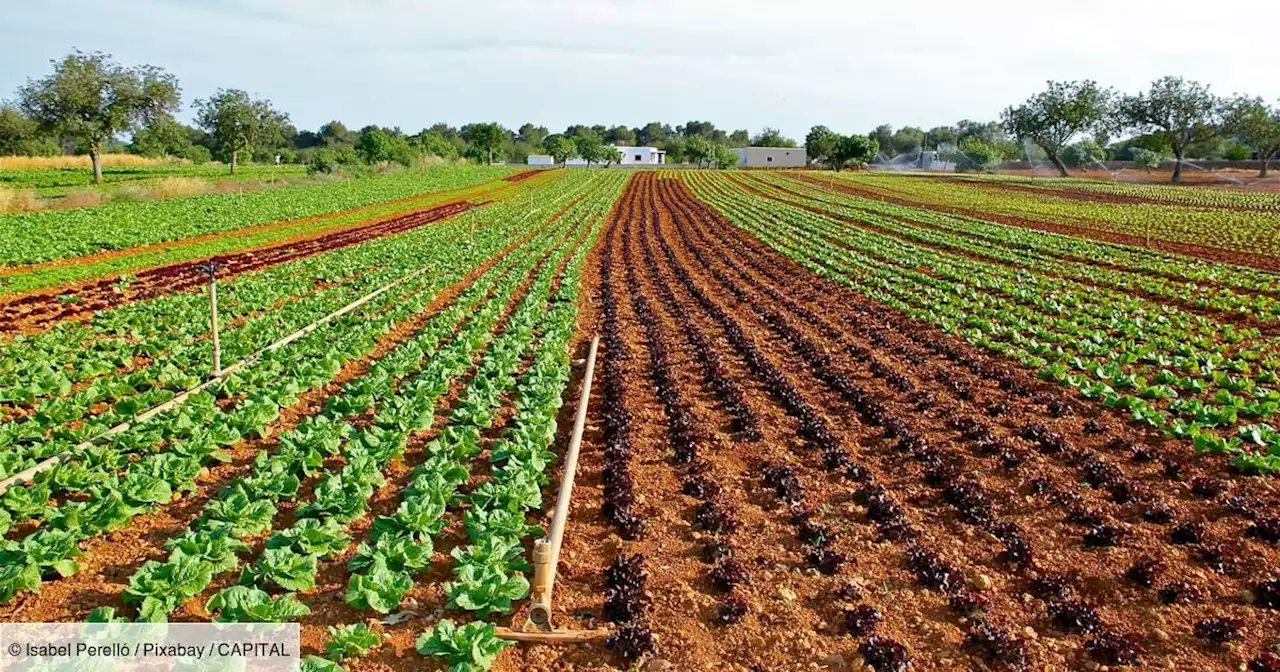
(28, 473)
(546, 552)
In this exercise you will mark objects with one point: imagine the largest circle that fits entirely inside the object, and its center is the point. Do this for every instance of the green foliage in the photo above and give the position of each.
(486, 588)
(282, 567)
(1083, 154)
(1148, 159)
(771, 137)
(158, 588)
(470, 648)
(820, 145)
(561, 148)
(485, 139)
(356, 639)
(244, 604)
(724, 157)
(380, 589)
(1237, 152)
(855, 150)
(91, 98)
(975, 154)
(1184, 111)
(21, 136)
(237, 122)
(1054, 116)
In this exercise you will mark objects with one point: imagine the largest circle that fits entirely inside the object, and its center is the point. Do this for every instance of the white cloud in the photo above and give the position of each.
(741, 63)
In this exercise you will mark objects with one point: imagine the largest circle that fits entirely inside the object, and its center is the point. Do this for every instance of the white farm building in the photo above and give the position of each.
(627, 156)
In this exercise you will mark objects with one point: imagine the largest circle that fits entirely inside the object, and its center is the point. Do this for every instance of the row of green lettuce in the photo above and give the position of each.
(33, 237)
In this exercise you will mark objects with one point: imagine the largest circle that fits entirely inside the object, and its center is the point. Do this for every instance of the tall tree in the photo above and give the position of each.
(941, 135)
(534, 135)
(485, 139)
(856, 150)
(740, 138)
(20, 136)
(653, 133)
(91, 98)
(1054, 116)
(908, 140)
(1184, 111)
(621, 135)
(820, 144)
(1255, 124)
(771, 137)
(237, 121)
(592, 148)
(883, 135)
(699, 150)
(561, 148)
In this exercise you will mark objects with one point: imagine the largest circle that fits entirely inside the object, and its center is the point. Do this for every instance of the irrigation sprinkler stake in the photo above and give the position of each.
(540, 626)
(212, 268)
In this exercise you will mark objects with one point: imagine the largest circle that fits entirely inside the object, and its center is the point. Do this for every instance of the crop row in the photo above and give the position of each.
(1093, 340)
(41, 236)
(943, 472)
(175, 445)
(1241, 230)
(1171, 282)
(402, 388)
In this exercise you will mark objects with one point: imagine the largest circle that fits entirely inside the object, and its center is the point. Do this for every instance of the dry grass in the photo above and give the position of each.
(81, 197)
(37, 162)
(169, 187)
(18, 200)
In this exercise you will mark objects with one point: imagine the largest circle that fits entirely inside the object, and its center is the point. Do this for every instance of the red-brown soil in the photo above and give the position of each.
(1022, 449)
(32, 312)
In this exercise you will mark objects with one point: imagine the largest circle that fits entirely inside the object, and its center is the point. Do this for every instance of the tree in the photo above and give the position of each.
(20, 136)
(941, 135)
(856, 150)
(620, 135)
(485, 139)
(1184, 111)
(592, 148)
(335, 134)
(820, 144)
(698, 150)
(1054, 116)
(561, 148)
(534, 135)
(724, 157)
(432, 143)
(162, 136)
(91, 98)
(1256, 125)
(908, 140)
(653, 133)
(883, 135)
(380, 145)
(1083, 154)
(771, 137)
(739, 138)
(1147, 158)
(974, 153)
(238, 122)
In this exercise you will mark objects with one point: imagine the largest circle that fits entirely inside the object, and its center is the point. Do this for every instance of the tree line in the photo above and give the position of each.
(1071, 124)
(89, 104)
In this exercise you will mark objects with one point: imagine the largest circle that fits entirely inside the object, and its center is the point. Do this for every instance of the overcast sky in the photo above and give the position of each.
(738, 63)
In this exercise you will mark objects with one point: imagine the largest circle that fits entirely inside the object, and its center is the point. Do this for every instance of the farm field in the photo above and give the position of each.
(839, 420)
(59, 181)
